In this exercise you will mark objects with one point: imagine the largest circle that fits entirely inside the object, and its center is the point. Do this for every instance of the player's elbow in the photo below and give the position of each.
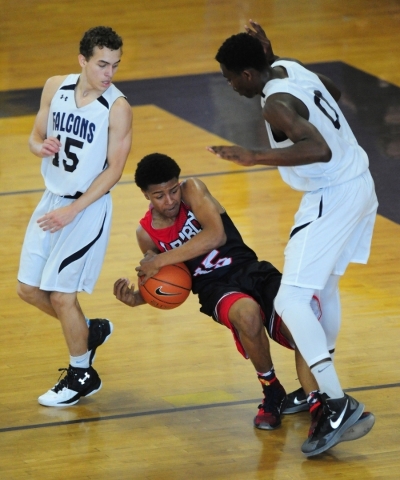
(220, 239)
(215, 239)
(325, 154)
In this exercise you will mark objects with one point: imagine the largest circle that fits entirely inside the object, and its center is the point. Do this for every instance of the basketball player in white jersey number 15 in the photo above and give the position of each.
(83, 133)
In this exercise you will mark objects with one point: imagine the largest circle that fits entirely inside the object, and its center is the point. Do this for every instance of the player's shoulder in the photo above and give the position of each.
(193, 185)
(121, 110)
(55, 81)
(121, 103)
(50, 88)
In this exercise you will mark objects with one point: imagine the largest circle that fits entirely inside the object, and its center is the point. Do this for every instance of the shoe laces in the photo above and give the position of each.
(273, 398)
(322, 415)
(61, 384)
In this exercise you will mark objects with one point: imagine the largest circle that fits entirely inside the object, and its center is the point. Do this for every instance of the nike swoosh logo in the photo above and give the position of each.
(319, 371)
(337, 422)
(165, 294)
(298, 402)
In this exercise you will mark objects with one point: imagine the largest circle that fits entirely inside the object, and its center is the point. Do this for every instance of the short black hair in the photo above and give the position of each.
(240, 52)
(99, 37)
(154, 169)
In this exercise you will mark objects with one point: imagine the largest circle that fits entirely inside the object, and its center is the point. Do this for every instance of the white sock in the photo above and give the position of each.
(80, 362)
(327, 379)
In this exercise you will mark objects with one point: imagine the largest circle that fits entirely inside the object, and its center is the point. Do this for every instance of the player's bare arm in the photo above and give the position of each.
(208, 212)
(288, 118)
(119, 145)
(39, 144)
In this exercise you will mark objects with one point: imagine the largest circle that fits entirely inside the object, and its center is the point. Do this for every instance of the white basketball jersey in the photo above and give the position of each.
(83, 133)
(348, 160)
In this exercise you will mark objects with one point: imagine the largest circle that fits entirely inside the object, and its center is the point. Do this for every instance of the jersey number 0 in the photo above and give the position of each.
(326, 108)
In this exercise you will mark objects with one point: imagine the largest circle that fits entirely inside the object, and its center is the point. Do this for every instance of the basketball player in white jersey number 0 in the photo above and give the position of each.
(83, 134)
(316, 152)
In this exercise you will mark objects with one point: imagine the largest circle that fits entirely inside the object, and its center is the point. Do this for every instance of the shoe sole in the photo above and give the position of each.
(91, 360)
(63, 405)
(267, 426)
(337, 438)
(362, 426)
(295, 409)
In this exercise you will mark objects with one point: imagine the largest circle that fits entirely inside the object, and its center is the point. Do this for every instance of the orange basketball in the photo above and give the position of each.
(169, 288)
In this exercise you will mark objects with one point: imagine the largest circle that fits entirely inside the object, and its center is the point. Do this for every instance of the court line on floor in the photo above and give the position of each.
(166, 411)
(130, 182)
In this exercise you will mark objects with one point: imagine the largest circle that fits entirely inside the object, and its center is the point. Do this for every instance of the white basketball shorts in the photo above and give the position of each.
(333, 227)
(69, 260)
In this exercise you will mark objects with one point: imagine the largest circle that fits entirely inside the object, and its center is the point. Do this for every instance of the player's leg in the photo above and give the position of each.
(74, 264)
(73, 322)
(331, 317)
(36, 297)
(81, 379)
(245, 315)
(340, 411)
(246, 318)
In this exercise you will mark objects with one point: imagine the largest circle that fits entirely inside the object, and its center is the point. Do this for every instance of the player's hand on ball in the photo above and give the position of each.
(125, 292)
(148, 267)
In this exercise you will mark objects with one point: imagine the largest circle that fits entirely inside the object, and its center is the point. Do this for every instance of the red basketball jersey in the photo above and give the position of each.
(207, 267)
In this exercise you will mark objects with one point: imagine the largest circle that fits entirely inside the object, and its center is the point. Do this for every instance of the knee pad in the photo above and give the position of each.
(290, 297)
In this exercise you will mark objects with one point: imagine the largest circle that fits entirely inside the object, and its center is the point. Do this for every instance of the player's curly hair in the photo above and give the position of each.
(154, 169)
(99, 37)
(240, 52)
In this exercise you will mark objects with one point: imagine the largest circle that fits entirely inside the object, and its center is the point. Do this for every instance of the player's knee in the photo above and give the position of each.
(291, 299)
(27, 293)
(60, 300)
(246, 318)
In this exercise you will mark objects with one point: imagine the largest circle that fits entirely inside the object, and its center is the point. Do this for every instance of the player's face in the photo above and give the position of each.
(101, 67)
(165, 197)
(240, 82)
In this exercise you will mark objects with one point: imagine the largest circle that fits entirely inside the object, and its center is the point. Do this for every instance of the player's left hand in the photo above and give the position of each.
(235, 154)
(124, 292)
(56, 219)
(148, 267)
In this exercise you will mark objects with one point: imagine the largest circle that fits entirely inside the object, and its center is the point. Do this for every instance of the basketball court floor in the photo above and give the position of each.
(178, 401)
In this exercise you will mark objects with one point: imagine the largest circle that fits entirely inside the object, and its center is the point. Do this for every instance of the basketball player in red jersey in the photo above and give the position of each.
(185, 223)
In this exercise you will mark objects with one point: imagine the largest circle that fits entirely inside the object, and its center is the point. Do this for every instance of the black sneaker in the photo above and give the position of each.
(295, 402)
(338, 415)
(100, 330)
(362, 426)
(269, 413)
(77, 383)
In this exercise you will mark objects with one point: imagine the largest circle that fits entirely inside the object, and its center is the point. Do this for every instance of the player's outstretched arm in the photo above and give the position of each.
(287, 115)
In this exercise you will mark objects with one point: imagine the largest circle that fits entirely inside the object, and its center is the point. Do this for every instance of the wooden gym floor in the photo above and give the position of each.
(178, 400)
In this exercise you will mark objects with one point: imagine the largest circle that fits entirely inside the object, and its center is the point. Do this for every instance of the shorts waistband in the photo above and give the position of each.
(74, 197)
(77, 195)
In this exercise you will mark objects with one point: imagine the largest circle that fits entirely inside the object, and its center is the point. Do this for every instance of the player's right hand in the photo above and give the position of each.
(258, 32)
(50, 147)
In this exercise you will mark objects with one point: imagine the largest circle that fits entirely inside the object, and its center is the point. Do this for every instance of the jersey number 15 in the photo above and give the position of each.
(72, 159)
